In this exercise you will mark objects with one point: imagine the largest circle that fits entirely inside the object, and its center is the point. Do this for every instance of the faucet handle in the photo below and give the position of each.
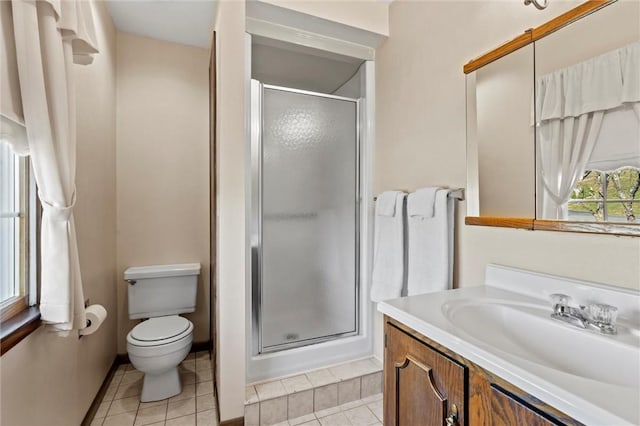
(559, 300)
(603, 314)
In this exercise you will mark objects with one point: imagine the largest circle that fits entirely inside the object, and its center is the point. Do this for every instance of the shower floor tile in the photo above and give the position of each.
(196, 405)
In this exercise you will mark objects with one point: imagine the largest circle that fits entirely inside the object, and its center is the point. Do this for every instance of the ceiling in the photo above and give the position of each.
(191, 22)
(284, 64)
(180, 21)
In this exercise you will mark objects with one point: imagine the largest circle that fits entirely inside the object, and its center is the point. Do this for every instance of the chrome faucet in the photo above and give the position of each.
(597, 316)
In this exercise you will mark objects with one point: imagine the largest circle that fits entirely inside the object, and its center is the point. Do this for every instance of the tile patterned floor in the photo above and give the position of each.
(363, 412)
(195, 406)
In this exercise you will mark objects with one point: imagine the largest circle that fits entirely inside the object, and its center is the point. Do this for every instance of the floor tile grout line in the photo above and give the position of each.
(166, 409)
(136, 416)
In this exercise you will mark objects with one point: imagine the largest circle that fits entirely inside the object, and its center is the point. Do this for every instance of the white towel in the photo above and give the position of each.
(430, 248)
(386, 203)
(422, 202)
(388, 251)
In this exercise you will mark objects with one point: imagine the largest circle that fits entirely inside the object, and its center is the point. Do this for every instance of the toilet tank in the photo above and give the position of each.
(160, 290)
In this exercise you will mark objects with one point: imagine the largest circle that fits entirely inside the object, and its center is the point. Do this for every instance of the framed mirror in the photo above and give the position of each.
(553, 125)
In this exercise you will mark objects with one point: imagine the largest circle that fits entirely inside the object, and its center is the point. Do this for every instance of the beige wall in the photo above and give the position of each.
(421, 135)
(231, 242)
(50, 380)
(162, 165)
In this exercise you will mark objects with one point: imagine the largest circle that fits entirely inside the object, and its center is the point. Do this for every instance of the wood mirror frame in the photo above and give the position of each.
(529, 37)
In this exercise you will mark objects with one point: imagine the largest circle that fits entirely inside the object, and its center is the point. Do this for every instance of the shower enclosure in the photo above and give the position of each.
(305, 217)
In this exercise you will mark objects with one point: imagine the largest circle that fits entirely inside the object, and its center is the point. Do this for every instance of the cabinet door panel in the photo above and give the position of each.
(417, 396)
(507, 411)
(421, 384)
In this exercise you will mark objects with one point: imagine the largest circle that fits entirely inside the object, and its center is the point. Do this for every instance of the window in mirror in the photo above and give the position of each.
(607, 196)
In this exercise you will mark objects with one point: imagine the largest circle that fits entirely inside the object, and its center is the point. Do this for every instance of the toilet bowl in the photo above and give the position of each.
(156, 347)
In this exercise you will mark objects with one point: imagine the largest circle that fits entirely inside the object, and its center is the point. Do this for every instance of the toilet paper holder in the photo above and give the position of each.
(87, 303)
(80, 335)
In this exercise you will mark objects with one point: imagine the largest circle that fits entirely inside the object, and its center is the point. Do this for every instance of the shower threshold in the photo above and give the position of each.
(321, 390)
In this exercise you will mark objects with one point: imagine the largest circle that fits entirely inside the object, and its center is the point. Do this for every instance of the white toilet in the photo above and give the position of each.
(157, 345)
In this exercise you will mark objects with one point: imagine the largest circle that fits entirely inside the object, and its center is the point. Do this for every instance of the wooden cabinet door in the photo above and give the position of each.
(507, 411)
(420, 384)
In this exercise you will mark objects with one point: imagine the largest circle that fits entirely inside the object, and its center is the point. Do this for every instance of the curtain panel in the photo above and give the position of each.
(565, 147)
(586, 117)
(41, 42)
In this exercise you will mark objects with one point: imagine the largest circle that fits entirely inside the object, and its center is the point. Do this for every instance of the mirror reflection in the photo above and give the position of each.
(587, 118)
(504, 136)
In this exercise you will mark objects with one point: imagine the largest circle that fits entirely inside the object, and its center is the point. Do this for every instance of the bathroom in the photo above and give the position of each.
(144, 169)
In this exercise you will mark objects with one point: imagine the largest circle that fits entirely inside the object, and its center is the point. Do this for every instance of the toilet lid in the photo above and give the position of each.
(160, 328)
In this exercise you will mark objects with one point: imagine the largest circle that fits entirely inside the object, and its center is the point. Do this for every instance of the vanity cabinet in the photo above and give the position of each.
(426, 384)
(422, 386)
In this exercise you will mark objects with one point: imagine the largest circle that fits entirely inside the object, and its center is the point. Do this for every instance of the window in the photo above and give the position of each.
(17, 239)
(612, 196)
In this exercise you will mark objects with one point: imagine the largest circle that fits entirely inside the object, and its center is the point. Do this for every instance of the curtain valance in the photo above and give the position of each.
(601, 83)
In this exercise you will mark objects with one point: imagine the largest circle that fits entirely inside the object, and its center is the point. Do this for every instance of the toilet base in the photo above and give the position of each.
(156, 387)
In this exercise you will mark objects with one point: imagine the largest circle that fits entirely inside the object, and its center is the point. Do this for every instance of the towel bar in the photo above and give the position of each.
(457, 193)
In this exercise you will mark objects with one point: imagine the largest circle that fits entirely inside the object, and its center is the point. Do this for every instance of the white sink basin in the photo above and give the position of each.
(504, 326)
(526, 331)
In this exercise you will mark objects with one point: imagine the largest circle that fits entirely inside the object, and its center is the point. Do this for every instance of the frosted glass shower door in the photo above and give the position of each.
(309, 218)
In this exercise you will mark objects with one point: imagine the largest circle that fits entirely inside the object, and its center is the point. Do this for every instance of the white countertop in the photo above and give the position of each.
(589, 401)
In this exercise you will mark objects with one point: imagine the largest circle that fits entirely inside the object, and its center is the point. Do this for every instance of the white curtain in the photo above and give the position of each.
(41, 40)
(619, 140)
(570, 106)
(565, 147)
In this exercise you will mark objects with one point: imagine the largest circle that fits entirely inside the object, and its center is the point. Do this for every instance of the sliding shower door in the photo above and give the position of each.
(305, 218)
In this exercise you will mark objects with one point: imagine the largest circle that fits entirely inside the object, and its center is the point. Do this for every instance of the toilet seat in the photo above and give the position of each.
(160, 331)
